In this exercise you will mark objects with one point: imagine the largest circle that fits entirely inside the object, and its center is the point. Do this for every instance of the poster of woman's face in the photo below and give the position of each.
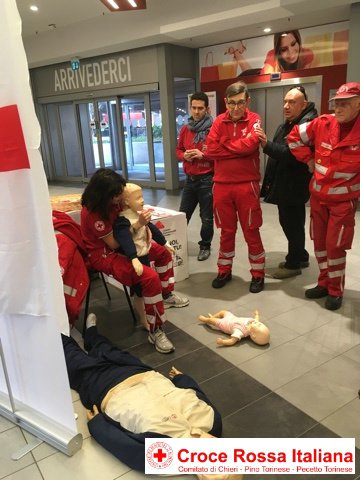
(290, 50)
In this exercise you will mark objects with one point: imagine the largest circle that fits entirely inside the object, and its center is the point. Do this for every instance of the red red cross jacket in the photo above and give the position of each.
(234, 147)
(71, 251)
(337, 163)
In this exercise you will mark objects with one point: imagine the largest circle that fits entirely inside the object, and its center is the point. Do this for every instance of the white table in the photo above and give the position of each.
(173, 226)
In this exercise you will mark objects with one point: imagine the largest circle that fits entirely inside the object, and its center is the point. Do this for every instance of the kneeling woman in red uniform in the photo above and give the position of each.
(101, 203)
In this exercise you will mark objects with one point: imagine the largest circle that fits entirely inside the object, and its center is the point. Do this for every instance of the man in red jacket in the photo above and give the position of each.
(335, 187)
(234, 147)
(198, 169)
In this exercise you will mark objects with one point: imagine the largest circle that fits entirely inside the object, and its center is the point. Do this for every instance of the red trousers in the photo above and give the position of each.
(332, 230)
(154, 284)
(233, 202)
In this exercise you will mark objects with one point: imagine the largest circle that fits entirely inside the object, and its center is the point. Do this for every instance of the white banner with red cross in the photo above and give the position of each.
(33, 380)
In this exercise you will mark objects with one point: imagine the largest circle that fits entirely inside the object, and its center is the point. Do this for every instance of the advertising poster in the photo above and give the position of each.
(314, 47)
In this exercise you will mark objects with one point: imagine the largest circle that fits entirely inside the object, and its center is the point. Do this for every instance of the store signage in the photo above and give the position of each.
(112, 71)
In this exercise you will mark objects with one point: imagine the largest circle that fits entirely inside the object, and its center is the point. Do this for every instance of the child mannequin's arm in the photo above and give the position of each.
(127, 246)
(159, 238)
(226, 342)
(144, 219)
(209, 316)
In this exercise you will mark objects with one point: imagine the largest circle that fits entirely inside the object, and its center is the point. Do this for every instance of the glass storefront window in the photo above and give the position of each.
(66, 153)
(55, 140)
(100, 135)
(123, 133)
(135, 136)
(156, 125)
(184, 87)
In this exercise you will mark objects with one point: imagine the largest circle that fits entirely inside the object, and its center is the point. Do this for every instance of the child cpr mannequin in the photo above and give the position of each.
(141, 234)
(237, 327)
(135, 236)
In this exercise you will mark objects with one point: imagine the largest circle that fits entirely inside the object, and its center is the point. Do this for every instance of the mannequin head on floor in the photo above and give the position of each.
(237, 327)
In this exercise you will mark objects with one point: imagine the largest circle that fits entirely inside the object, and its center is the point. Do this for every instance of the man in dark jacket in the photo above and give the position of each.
(286, 183)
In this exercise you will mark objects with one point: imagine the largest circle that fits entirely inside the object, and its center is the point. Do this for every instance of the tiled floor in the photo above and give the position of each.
(303, 384)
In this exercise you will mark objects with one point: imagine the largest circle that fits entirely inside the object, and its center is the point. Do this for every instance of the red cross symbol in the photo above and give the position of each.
(13, 153)
(160, 455)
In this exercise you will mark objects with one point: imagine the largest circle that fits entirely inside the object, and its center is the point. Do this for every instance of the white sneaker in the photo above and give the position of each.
(175, 300)
(91, 320)
(160, 341)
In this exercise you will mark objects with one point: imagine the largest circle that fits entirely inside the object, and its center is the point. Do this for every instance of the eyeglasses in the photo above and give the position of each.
(238, 104)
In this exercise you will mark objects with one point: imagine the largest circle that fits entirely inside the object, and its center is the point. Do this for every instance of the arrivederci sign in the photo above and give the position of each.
(110, 71)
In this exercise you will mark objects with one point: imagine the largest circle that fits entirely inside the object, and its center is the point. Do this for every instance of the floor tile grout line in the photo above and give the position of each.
(342, 406)
(253, 402)
(310, 370)
(320, 424)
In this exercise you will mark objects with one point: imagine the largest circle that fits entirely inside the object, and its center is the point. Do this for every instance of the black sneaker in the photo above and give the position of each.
(333, 303)
(221, 280)
(304, 264)
(316, 292)
(256, 285)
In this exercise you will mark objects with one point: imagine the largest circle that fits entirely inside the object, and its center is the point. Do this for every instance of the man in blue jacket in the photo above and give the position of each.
(129, 401)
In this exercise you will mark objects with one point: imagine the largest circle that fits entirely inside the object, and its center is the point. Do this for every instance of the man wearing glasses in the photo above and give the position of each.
(334, 189)
(286, 181)
(234, 147)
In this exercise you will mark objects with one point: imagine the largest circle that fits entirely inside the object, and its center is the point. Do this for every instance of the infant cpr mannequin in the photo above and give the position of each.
(237, 327)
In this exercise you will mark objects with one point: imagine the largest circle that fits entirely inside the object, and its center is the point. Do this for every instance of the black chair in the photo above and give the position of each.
(93, 275)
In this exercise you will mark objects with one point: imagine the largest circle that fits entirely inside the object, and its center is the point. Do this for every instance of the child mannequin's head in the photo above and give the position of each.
(133, 197)
(259, 333)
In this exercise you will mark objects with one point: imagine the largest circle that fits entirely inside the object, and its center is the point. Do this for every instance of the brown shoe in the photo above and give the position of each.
(283, 273)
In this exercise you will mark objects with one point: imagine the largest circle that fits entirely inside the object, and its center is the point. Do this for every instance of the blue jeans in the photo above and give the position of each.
(198, 190)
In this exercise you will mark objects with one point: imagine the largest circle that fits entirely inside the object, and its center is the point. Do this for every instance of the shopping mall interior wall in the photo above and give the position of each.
(332, 77)
(353, 72)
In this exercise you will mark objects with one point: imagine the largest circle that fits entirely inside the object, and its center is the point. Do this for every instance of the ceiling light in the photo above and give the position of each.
(123, 5)
(113, 4)
(267, 30)
(34, 8)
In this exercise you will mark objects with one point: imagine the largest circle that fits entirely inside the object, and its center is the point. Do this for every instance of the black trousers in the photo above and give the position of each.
(292, 221)
(94, 373)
